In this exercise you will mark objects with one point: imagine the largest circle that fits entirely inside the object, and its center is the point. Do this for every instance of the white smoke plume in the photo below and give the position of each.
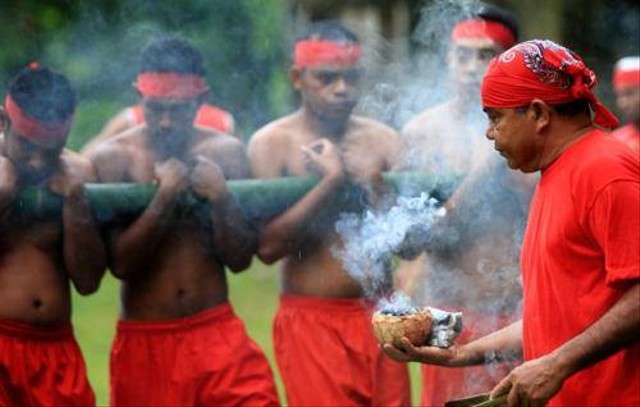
(370, 239)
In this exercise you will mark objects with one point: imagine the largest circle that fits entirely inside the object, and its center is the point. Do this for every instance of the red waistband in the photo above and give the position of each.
(35, 332)
(325, 303)
(218, 313)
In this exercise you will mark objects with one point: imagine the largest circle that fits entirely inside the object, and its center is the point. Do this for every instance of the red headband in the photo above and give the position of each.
(170, 85)
(478, 28)
(318, 52)
(627, 73)
(41, 133)
(542, 70)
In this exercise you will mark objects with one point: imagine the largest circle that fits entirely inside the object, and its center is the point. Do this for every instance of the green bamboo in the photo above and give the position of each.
(258, 199)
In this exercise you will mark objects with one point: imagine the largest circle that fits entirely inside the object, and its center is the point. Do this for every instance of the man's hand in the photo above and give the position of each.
(207, 180)
(532, 383)
(364, 169)
(172, 175)
(407, 352)
(67, 181)
(322, 157)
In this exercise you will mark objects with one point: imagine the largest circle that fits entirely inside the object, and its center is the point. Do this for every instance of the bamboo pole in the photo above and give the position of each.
(258, 199)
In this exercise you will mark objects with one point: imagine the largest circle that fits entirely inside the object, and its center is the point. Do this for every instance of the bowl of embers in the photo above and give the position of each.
(391, 325)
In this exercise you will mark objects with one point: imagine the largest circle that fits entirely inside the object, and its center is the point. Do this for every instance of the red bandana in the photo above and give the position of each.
(170, 85)
(311, 53)
(39, 132)
(627, 73)
(479, 28)
(542, 70)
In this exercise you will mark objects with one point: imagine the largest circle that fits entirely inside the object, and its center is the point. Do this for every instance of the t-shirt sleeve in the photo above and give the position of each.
(614, 222)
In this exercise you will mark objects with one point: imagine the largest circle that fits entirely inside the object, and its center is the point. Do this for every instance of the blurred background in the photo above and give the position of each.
(246, 45)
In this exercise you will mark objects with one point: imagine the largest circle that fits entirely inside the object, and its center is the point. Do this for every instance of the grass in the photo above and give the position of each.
(253, 293)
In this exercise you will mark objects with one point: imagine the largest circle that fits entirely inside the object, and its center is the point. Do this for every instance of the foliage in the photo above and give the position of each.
(97, 45)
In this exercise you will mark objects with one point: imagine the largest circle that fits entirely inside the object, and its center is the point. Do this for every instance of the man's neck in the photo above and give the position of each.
(330, 128)
(564, 134)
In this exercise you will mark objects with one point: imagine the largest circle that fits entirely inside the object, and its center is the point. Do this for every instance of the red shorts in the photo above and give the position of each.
(441, 384)
(42, 366)
(328, 356)
(206, 359)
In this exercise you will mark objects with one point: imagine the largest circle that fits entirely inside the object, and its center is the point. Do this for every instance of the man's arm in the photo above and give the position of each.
(83, 248)
(504, 344)
(8, 187)
(536, 381)
(285, 233)
(115, 125)
(234, 240)
(132, 248)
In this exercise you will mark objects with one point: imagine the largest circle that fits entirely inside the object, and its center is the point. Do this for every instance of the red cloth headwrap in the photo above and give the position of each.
(170, 85)
(479, 28)
(627, 73)
(542, 69)
(39, 132)
(317, 52)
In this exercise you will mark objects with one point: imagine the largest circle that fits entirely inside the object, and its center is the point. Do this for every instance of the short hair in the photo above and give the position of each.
(171, 54)
(574, 108)
(331, 30)
(499, 15)
(43, 94)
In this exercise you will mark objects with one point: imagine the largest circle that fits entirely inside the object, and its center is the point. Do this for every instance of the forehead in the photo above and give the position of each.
(333, 67)
(478, 43)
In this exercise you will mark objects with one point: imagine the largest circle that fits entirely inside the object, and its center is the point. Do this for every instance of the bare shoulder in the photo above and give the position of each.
(112, 157)
(275, 133)
(373, 131)
(79, 163)
(423, 124)
(225, 150)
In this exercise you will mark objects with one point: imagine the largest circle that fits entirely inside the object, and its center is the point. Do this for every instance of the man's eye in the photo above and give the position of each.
(327, 77)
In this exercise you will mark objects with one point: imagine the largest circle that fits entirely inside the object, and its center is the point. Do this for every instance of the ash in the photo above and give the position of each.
(398, 304)
(370, 239)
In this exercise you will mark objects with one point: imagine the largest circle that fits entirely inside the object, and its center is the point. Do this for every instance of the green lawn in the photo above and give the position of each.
(254, 296)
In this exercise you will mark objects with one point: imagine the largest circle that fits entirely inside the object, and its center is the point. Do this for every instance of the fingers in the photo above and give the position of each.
(395, 353)
(505, 387)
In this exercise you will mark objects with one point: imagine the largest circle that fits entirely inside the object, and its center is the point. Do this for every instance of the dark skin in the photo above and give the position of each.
(321, 138)
(171, 259)
(39, 257)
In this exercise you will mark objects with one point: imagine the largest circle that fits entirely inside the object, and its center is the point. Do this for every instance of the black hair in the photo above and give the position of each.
(170, 54)
(499, 15)
(331, 30)
(43, 94)
(573, 108)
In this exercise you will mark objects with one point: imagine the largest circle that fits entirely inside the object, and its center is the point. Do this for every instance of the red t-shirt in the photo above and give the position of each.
(630, 135)
(580, 254)
(208, 116)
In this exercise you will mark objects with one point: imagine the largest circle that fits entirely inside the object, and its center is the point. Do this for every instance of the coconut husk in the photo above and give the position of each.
(389, 328)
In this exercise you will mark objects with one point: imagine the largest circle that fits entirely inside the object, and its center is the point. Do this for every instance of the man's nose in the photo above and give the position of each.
(164, 120)
(489, 132)
(340, 85)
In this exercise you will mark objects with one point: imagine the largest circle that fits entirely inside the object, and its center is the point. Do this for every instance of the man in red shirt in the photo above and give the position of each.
(626, 84)
(580, 260)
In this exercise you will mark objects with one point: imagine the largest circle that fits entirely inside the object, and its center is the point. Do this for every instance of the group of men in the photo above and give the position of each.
(178, 341)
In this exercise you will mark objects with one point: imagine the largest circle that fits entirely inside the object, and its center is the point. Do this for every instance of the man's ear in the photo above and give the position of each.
(541, 113)
(295, 75)
(134, 85)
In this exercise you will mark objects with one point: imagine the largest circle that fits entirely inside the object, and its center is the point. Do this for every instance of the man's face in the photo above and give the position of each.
(513, 134)
(628, 101)
(469, 59)
(170, 122)
(34, 163)
(331, 91)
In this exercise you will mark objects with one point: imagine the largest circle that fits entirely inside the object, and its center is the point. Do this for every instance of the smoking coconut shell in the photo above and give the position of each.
(389, 328)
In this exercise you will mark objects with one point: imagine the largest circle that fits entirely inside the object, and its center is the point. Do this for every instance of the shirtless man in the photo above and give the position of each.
(178, 341)
(469, 262)
(40, 361)
(208, 116)
(324, 344)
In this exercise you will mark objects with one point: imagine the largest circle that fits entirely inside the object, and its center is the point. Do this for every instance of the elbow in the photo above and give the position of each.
(269, 253)
(240, 265)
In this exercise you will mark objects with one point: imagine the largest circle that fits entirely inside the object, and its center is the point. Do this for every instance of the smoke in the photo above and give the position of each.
(370, 239)
(408, 88)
